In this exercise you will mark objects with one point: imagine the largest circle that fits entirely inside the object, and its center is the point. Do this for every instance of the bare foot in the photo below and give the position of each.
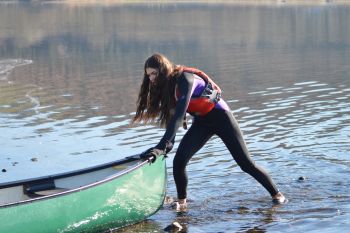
(180, 205)
(279, 198)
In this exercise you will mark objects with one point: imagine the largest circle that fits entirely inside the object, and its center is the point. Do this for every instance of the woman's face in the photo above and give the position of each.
(152, 74)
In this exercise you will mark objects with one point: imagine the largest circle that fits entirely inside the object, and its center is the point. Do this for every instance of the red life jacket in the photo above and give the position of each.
(211, 94)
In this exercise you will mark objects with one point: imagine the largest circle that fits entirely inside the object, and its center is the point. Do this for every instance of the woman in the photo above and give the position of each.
(167, 93)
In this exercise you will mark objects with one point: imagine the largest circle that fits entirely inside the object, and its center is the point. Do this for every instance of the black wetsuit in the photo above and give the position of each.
(219, 121)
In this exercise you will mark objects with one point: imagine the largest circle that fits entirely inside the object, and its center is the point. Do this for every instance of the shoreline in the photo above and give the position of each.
(152, 2)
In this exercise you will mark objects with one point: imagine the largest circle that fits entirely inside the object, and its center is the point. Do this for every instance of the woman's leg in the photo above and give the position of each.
(196, 136)
(228, 130)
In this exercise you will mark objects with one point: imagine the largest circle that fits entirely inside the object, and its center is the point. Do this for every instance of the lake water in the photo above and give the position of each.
(69, 78)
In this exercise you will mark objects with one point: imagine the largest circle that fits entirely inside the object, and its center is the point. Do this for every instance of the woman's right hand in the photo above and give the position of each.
(151, 154)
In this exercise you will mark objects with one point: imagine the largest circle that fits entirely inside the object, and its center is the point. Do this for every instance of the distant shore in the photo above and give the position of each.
(237, 2)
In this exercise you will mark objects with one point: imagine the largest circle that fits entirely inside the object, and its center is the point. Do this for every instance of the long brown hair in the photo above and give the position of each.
(157, 100)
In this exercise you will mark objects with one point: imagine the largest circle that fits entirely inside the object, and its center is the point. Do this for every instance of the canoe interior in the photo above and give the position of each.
(29, 190)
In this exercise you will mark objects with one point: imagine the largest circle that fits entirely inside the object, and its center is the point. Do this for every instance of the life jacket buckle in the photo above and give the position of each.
(209, 92)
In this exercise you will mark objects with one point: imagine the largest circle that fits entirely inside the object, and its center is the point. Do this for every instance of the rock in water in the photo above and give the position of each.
(174, 226)
(168, 200)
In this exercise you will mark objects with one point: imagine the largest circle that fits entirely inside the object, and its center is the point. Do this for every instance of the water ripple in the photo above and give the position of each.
(7, 65)
(301, 122)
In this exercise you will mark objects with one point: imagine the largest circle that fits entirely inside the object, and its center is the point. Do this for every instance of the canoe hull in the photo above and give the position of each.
(112, 203)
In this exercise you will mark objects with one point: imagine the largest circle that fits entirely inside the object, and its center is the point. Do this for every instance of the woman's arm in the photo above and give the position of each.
(184, 86)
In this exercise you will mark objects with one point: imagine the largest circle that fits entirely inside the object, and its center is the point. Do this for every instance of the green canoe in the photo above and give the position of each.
(96, 199)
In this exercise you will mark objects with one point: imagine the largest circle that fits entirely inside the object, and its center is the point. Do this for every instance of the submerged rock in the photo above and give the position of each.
(174, 227)
(168, 200)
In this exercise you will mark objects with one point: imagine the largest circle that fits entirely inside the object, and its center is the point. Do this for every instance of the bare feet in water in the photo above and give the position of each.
(180, 205)
(279, 198)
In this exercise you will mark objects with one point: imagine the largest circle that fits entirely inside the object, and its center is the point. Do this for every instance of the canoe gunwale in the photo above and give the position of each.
(105, 180)
(70, 173)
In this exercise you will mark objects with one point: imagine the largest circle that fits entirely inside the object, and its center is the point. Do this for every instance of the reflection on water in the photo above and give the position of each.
(69, 78)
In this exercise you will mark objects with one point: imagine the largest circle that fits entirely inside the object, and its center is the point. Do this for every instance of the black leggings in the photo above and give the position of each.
(223, 124)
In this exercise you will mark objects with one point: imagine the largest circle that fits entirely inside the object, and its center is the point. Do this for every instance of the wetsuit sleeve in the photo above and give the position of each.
(184, 86)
